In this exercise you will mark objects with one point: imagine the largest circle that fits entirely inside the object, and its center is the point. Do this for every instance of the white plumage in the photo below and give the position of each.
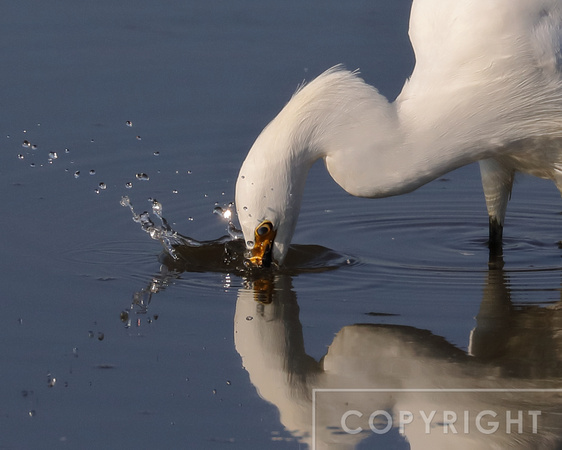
(486, 87)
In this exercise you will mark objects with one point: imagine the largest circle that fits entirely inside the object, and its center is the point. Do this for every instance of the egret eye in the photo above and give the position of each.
(263, 229)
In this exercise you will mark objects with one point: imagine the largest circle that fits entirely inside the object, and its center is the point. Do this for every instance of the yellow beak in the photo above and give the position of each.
(264, 235)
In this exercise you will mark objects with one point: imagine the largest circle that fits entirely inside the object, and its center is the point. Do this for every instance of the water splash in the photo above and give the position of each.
(226, 213)
(228, 253)
(164, 233)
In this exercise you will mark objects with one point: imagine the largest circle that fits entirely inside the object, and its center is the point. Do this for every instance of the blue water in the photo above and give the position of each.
(105, 346)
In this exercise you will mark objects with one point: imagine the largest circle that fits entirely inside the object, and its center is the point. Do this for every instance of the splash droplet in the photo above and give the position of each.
(53, 155)
(103, 186)
(138, 138)
(20, 156)
(77, 174)
(142, 176)
(129, 123)
(92, 172)
(156, 207)
(26, 143)
(129, 185)
(125, 201)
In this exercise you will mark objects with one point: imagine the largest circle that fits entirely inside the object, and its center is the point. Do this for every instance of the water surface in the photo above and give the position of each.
(107, 342)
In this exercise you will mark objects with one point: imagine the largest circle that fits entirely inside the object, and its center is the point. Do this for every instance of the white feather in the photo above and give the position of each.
(486, 85)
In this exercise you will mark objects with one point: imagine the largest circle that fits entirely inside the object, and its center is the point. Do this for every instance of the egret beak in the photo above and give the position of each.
(262, 252)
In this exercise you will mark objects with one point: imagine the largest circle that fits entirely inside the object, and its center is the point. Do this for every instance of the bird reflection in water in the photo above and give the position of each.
(504, 392)
(398, 370)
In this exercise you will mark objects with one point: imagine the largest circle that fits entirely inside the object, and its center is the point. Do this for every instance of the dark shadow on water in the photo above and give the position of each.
(228, 256)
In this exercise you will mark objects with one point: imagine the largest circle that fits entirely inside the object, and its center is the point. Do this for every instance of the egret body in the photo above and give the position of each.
(486, 87)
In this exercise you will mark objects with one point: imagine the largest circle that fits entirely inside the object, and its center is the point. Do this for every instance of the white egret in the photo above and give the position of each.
(486, 87)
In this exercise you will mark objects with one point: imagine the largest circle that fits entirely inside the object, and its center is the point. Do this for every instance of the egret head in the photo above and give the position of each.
(267, 202)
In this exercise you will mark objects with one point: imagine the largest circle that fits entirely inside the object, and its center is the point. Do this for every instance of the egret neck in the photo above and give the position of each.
(368, 151)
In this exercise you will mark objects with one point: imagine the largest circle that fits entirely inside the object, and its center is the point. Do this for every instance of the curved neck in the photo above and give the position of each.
(369, 145)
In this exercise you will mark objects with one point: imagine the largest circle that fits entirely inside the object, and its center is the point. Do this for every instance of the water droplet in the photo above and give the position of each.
(26, 143)
(142, 176)
(228, 382)
(218, 210)
(125, 201)
(53, 155)
(250, 244)
(97, 191)
(249, 318)
(32, 165)
(138, 138)
(245, 208)
(66, 150)
(129, 185)
(243, 177)
(34, 147)
(129, 123)
(174, 191)
(92, 172)
(156, 153)
(156, 207)
(32, 413)
(77, 174)
(189, 172)
(100, 336)
(190, 219)
(20, 156)
(103, 186)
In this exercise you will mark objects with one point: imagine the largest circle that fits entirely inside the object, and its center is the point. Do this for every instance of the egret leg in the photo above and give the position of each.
(497, 181)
